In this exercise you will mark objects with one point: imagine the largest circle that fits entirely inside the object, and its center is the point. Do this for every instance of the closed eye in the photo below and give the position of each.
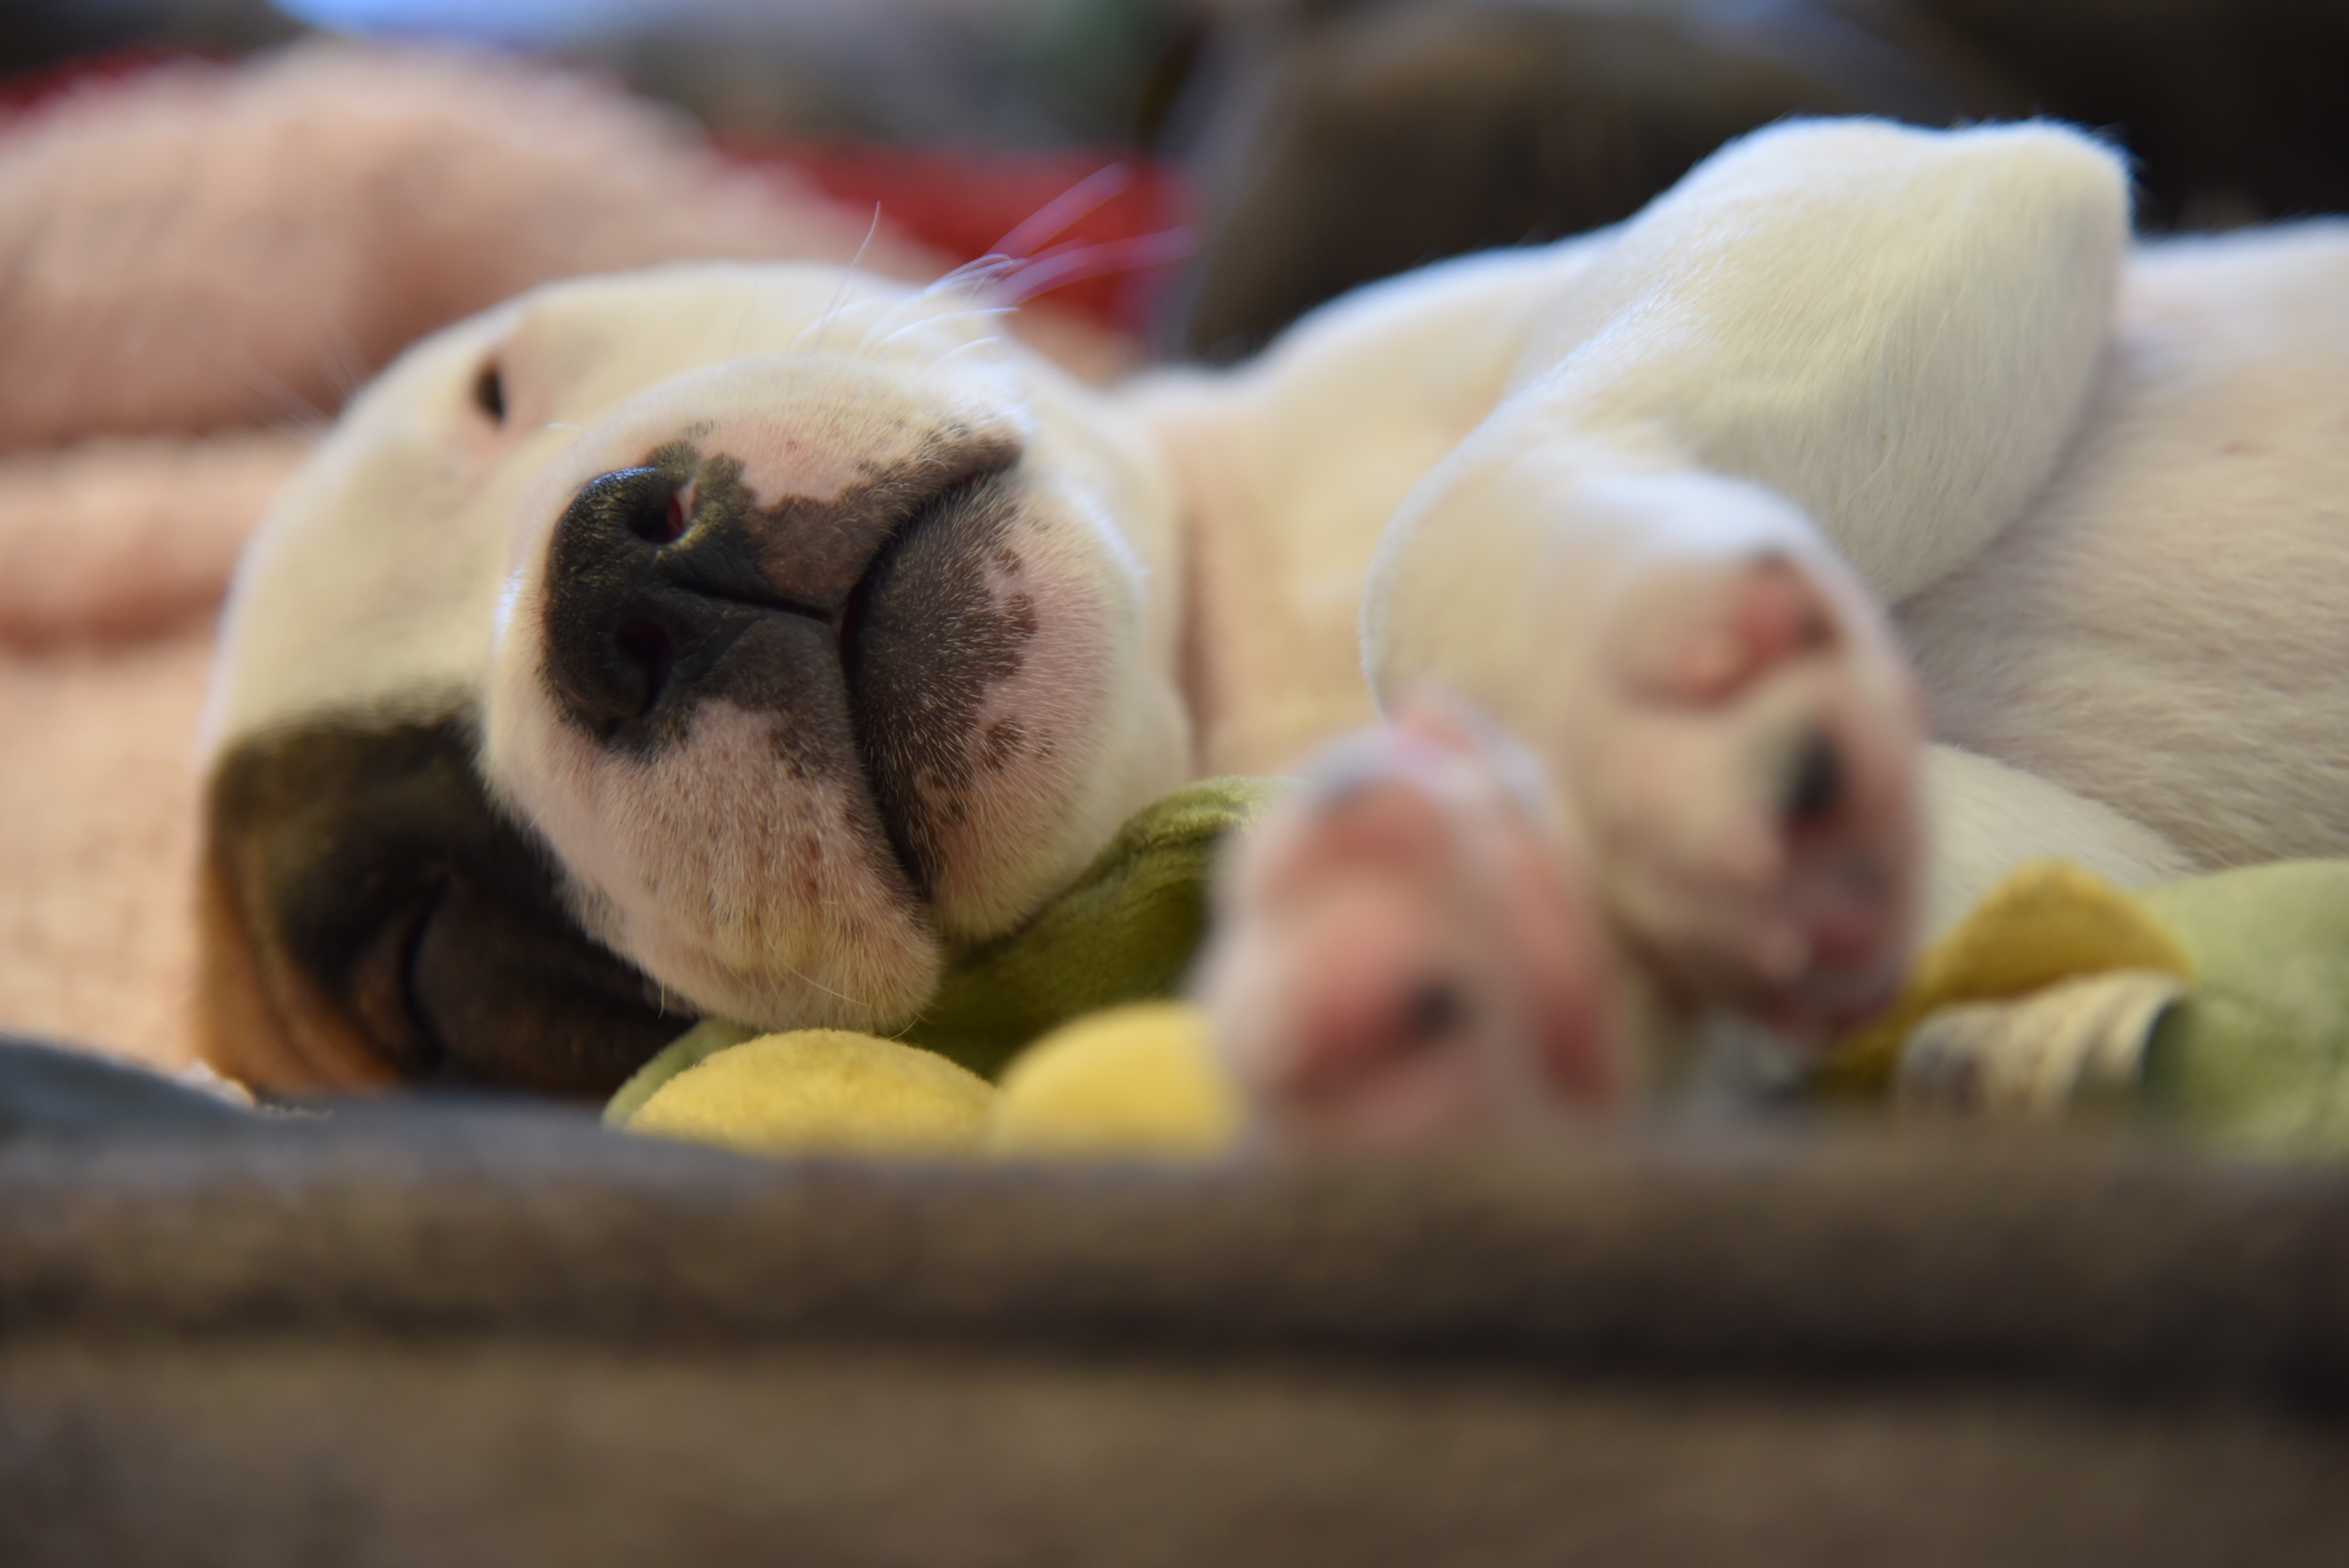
(490, 392)
(383, 984)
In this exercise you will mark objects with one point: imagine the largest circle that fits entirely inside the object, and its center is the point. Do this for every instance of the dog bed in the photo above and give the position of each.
(468, 1333)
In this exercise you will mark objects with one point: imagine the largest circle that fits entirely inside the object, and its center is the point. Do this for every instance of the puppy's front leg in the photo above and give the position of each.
(1827, 368)
(1728, 725)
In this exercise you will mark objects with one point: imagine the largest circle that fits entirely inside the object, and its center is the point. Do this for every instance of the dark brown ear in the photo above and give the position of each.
(368, 917)
(261, 1027)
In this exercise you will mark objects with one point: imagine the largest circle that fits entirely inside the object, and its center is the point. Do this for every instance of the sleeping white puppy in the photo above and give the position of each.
(749, 640)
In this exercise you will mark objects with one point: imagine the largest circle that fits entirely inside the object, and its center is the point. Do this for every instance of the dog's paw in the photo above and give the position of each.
(1746, 772)
(1405, 956)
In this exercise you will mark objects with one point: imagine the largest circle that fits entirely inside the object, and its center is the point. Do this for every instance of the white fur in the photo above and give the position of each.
(2165, 632)
(1989, 818)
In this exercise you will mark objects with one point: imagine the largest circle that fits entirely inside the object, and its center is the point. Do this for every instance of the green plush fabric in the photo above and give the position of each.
(1125, 931)
(2256, 1058)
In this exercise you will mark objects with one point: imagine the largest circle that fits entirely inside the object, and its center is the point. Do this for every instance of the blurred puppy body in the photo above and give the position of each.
(2083, 493)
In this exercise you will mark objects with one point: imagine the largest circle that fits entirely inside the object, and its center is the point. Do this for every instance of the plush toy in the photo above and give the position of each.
(809, 1090)
(1111, 1064)
(1124, 932)
(2217, 1006)
(2256, 1053)
(1141, 1079)
(2043, 994)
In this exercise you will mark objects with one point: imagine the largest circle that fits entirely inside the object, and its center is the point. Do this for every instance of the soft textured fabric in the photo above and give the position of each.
(495, 1336)
(2257, 1054)
(2217, 1005)
(1140, 1080)
(2048, 922)
(204, 246)
(1125, 1072)
(822, 1089)
(1124, 932)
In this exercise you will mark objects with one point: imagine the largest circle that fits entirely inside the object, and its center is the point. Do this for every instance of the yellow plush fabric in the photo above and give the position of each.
(821, 1091)
(1134, 1080)
(1145, 1079)
(1140, 1079)
(2048, 922)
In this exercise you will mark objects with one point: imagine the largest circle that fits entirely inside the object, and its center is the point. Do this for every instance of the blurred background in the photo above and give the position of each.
(1313, 144)
(1023, 73)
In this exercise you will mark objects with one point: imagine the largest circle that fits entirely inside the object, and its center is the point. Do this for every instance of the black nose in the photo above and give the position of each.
(669, 583)
(644, 599)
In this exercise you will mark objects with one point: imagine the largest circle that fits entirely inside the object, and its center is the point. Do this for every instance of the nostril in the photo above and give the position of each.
(645, 649)
(622, 632)
(667, 525)
(647, 503)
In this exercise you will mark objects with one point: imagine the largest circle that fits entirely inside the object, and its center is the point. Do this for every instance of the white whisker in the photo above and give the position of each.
(916, 300)
(289, 406)
(822, 323)
(1065, 264)
(964, 348)
(866, 244)
(977, 272)
(310, 433)
(1071, 206)
(806, 979)
(882, 348)
(988, 311)
(972, 276)
(339, 359)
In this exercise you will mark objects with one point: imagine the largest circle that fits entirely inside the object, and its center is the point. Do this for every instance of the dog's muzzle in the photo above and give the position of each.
(860, 621)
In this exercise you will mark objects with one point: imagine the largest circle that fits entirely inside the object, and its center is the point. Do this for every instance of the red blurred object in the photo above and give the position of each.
(963, 202)
(33, 89)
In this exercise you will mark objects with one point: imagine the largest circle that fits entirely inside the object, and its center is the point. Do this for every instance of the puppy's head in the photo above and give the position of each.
(731, 640)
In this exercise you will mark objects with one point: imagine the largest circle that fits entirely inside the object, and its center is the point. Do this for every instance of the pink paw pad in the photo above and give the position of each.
(1760, 617)
(1753, 797)
(1406, 957)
